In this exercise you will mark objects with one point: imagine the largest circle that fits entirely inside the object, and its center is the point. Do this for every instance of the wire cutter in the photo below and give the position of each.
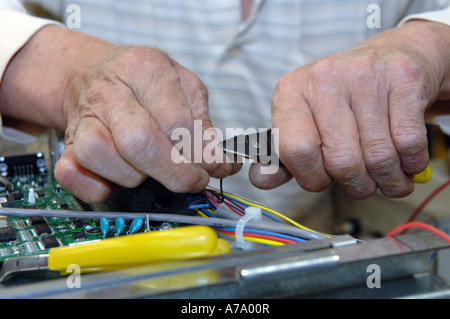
(259, 147)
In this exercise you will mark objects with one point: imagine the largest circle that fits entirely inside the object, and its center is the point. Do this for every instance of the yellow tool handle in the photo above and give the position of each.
(422, 177)
(142, 248)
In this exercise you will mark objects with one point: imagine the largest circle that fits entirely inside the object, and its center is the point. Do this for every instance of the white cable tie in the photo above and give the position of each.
(251, 213)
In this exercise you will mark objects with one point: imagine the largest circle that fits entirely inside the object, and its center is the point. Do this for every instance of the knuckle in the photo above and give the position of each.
(413, 153)
(298, 152)
(286, 87)
(201, 92)
(143, 61)
(364, 69)
(381, 164)
(349, 172)
(379, 157)
(176, 119)
(410, 142)
(135, 144)
(323, 73)
(85, 144)
(286, 83)
(132, 57)
(342, 164)
(411, 82)
(95, 95)
(407, 69)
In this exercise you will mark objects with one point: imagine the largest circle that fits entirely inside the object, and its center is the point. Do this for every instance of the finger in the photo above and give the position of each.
(174, 103)
(141, 143)
(268, 181)
(93, 147)
(149, 75)
(343, 158)
(79, 181)
(214, 161)
(408, 100)
(235, 167)
(299, 140)
(379, 152)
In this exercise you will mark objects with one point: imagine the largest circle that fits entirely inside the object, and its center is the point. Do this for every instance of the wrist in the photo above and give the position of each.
(432, 41)
(426, 42)
(37, 79)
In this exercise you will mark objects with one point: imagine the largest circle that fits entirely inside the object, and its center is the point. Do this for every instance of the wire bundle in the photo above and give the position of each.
(216, 203)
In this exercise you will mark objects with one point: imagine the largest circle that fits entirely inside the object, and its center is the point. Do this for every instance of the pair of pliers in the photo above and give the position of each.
(259, 147)
(256, 146)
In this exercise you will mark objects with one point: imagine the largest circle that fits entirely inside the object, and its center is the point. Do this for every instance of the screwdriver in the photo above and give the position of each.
(422, 177)
(150, 247)
(183, 243)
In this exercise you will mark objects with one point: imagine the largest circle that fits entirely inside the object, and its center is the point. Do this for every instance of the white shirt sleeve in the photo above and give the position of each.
(16, 28)
(442, 16)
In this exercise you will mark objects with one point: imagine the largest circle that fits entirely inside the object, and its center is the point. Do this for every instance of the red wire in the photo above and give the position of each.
(233, 209)
(211, 198)
(217, 204)
(419, 208)
(282, 240)
(430, 228)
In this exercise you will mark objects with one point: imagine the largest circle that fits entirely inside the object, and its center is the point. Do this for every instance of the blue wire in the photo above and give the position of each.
(237, 208)
(235, 200)
(199, 206)
(212, 204)
(208, 213)
(255, 231)
(243, 204)
(197, 201)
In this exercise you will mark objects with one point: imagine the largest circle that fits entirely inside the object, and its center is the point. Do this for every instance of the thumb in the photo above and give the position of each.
(80, 181)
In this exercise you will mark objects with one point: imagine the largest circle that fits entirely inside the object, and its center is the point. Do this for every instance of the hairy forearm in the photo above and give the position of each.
(36, 80)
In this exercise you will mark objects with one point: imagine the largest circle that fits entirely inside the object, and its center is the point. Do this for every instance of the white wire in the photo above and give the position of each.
(183, 219)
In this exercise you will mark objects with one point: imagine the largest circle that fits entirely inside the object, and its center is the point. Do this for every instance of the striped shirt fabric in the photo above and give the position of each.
(239, 61)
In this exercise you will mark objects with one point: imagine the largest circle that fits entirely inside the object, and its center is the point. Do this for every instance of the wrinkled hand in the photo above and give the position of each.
(119, 118)
(357, 117)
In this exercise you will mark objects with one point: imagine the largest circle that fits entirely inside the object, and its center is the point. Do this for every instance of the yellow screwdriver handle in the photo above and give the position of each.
(143, 248)
(422, 177)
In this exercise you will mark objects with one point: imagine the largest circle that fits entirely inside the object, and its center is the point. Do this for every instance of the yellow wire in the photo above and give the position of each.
(271, 211)
(258, 240)
(261, 240)
(199, 212)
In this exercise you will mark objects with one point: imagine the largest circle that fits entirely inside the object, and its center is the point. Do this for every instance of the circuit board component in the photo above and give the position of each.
(26, 184)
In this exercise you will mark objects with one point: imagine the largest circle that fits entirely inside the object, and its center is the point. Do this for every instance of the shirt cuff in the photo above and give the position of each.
(16, 28)
(442, 16)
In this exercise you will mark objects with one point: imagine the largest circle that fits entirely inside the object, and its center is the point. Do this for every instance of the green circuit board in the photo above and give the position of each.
(32, 235)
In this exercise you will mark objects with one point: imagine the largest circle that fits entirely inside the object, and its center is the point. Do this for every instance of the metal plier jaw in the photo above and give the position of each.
(257, 146)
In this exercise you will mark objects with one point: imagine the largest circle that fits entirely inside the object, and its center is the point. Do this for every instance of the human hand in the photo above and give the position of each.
(357, 117)
(120, 117)
(118, 107)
